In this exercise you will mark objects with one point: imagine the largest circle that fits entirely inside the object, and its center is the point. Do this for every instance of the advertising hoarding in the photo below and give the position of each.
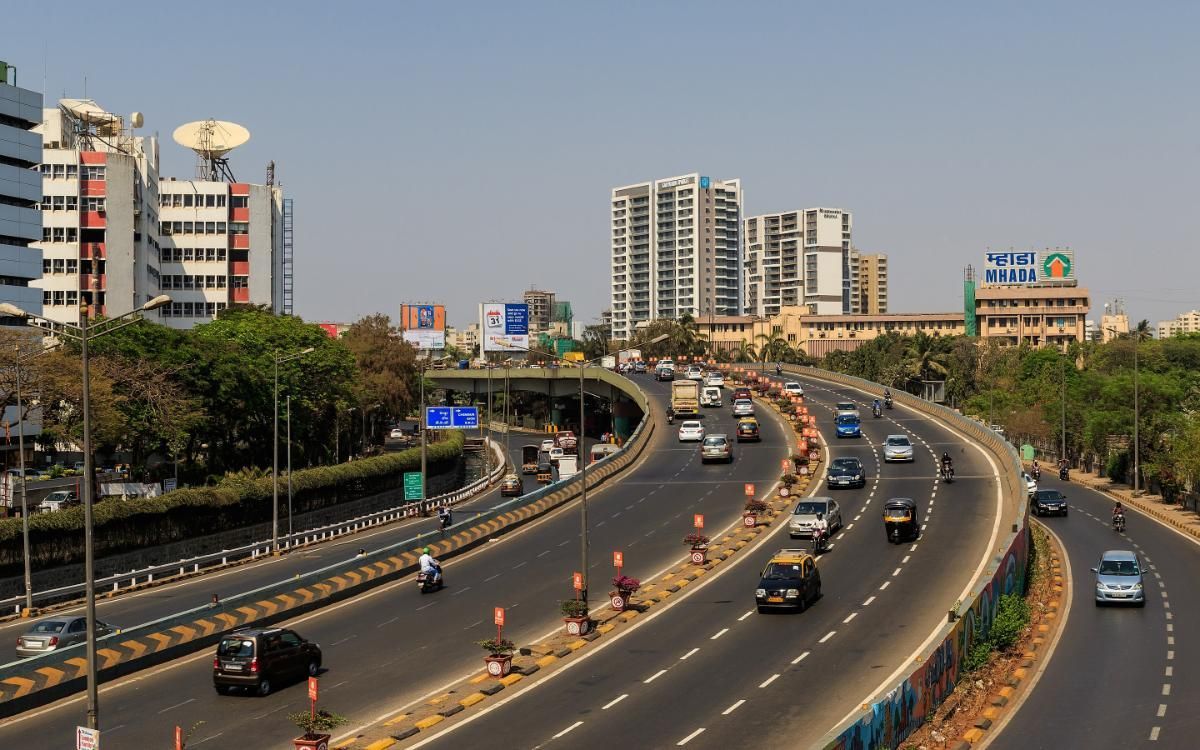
(504, 326)
(424, 326)
(1013, 268)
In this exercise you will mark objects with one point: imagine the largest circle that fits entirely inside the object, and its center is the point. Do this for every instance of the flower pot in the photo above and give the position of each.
(699, 555)
(318, 742)
(577, 625)
(498, 665)
(619, 600)
(749, 520)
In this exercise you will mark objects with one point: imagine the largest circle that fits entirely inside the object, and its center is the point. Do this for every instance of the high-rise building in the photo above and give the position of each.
(870, 289)
(676, 250)
(799, 258)
(20, 194)
(1188, 322)
(541, 309)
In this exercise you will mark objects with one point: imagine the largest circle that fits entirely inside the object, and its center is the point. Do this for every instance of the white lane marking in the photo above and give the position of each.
(614, 701)
(1154, 734)
(689, 653)
(1170, 672)
(560, 734)
(201, 742)
(1166, 690)
(720, 633)
(689, 738)
(347, 638)
(769, 680)
(1170, 628)
(387, 622)
(851, 526)
(492, 578)
(913, 548)
(654, 677)
(177, 705)
(1162, 710)
(800, 658)
(1170, 656)
(733, 708)
(827, 636)
(460, 591)
(895, 572)
(743, 617)
(905, 560)
(543, 553)
(521, 564)
(849, 617)
(564, 542)
(870, 599)
(1170, 640)
(884, 585)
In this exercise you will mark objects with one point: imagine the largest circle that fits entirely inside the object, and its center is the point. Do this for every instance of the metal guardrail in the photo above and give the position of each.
(258, 549)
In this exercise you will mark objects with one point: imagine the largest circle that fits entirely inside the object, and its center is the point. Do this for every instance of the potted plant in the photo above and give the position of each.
(799, 459)
(623, 588)
(699, 544)
(754, 508)
(499, 658)
(316, 727)
(575, 615)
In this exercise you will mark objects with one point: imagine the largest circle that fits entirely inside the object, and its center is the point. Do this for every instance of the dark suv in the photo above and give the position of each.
(259, 658)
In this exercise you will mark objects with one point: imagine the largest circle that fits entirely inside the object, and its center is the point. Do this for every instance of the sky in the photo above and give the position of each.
(462, 152)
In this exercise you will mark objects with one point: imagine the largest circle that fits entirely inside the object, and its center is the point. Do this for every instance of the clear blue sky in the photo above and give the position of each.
(456, 152)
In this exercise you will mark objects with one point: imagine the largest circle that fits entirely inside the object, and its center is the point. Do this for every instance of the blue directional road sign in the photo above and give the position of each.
(451, 417)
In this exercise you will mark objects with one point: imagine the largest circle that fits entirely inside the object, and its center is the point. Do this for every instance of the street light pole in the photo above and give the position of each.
(278, 360)
(423, 426)
(1064, 408)
(289, 461)
(1136, 417)
(89, 555)
(583, 523)
(24, 503)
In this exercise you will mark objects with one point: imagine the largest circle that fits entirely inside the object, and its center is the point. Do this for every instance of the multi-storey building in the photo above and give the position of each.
(870, 282)
(676, 250)
(1034, 315)
(799, 258)
(465, 340)
(541, 309)
(20, 195)
(1188, 322)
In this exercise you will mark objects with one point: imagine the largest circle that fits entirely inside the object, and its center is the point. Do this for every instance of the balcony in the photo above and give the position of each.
(240, 295)
(92, 188)
(240, 268)
(240, 241)
(88, 250)
(239, 214)
(92, 220)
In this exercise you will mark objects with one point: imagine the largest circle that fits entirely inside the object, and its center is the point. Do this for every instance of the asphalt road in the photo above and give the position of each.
(1119, 677)
(137, 607)
(391, 646)
(709, 671)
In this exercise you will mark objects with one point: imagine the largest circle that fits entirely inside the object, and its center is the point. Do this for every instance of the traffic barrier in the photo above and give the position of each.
(38, 680)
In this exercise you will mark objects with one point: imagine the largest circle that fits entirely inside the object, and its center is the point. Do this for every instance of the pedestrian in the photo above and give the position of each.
(215, 602)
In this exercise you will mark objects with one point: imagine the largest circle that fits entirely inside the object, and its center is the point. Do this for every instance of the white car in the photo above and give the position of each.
(793, 388)
(897, 448)
(1030, 484)
(694, 373)
(691, 431)
(714, 380)
(846, 407)
(396, 433)
(743, 407)
(555, 454)
(547, 445)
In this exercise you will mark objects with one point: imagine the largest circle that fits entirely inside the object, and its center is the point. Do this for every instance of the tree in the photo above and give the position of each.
(595, 341)
(924, 357)
(386, 366)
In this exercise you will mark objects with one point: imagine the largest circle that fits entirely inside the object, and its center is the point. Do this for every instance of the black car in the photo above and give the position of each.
(260, 658)
(846, 472)
(789, 581)
(1048, 503)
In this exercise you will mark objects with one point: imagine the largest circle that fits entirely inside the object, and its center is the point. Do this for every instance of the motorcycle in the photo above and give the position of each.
(1118, 523)
(947, 474)
(427, 582)
(820, 541)
(876, 412)
(671, 418)
(1036, 473)
(446, 520)
(1064, 474)
(888, 402)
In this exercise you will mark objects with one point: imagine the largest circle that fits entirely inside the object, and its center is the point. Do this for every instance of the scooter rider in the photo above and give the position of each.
(778, 368)
(887, 398)
(947, 464)
(444, 515)
(1036, 471)
(876, 409)
(430, 566)
(1118, 511)
(820, 531)
(670, 415)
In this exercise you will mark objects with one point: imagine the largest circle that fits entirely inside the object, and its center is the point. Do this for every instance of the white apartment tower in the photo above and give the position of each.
(798, 258)
(676, 250)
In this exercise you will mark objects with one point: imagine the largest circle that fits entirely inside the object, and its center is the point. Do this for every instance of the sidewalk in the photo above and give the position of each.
(1152, 505)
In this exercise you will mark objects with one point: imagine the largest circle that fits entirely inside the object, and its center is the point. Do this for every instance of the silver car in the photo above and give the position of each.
(57, 633)
(716, 448)
(743, 407)
(1119, 579)
(1031, 485)
(845, 407)
(805, 515)
(897, 448)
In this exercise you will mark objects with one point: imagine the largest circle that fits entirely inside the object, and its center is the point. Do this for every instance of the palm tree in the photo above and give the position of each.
(745, 352)
(1142, 331)
(924, 357)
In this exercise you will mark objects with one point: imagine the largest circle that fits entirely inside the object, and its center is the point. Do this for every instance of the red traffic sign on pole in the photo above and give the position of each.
(312, 689)
(577, 581)
(748, 489)
(178, 737)
(698, 521)
(618, 559)
(785, 464)
(499, 617)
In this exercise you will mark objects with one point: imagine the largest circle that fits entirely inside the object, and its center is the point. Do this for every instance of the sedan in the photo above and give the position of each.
(512, 486)
(743, 407)
(57, 633)
(715, 380)
(691, 431)
(396, 434)
(1119, 579)
(897, 448)
(716, 448)
(1031, 485)
(555, 453)
(547, 445)
(846, 472)
(740, 393)
(846, 407)
(1048, 503)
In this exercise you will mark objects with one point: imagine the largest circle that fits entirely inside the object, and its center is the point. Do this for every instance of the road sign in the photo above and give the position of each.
(451, 417)
(617, 602)
(698, 521)
(748, 521)
(312, 689)
(498, 616)
(412, 485)
(748, 489)
(170, 483)
(697, 557)
(618, 559)
(577, 581)
(87, 739)
(784, 464)
(784, 491)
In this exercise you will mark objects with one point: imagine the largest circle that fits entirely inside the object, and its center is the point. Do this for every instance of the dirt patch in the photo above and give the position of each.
(972, 695)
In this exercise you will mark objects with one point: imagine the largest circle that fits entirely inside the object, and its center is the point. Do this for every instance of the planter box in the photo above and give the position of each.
(699, 555)
(320, 742)
(749, 520)
(577, 625)
(498, 666)
(619, 600)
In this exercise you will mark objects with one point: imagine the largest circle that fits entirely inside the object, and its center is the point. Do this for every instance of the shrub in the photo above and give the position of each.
(625, 583)
(695, 540)
(1012, 617)
(1117, 466)
(977, 656)
(498, 646)
(753, 505)
(788, 479)
(320, 723)
(573, 607)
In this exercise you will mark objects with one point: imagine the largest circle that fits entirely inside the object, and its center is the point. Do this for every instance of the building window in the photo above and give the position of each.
(93, 172)
(239, 201)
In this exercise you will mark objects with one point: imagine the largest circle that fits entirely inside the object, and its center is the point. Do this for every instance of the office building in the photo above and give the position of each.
(1114, 322)
(1033, 315)
(799, 258)
(1188, 322)
(20, 194)
(541, 309)
(869, 276)
(676, 250)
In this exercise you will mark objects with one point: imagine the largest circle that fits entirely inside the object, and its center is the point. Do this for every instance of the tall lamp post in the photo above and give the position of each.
(583, 522)
(1136, 409)
(279, 360)
(84, 333)
(20, 359)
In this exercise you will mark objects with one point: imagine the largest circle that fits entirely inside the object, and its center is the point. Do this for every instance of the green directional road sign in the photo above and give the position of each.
(412, 485)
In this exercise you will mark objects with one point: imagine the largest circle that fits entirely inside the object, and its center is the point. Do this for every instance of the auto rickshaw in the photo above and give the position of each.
(900, 519)
(529, 459)
(545, 473)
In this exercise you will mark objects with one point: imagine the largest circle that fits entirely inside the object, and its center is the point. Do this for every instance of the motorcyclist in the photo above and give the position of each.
(887, 398)
(820, 531)
(1118, 510)
(1064, 470)
(430, 566)
(876, 408)
(947, 464)
(1036, 471)
(670, 415)
(778, 368)
(444, 515)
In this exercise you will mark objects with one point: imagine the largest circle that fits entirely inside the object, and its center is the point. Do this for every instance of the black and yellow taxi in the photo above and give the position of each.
(747, 429)
(790, 580)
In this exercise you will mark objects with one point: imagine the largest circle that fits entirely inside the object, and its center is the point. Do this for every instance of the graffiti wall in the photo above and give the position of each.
(898, 714)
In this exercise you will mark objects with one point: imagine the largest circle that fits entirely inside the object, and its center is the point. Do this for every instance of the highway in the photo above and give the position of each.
(391, 646)
(708, 671)
(1119, 677)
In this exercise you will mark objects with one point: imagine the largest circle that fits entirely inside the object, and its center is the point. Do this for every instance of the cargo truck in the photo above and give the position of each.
(685, 397)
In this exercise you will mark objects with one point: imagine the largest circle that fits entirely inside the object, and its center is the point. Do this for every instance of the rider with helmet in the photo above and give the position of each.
(430, 566)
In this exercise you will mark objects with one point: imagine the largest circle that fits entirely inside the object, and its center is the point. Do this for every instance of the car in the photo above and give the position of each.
(790, 580)
(664, 373)
(694, 372)
(897, 448)
(1119, 579)
(258, 659)
(741, 393)
(691, 431)
(710, 396)
(556, 453)
(566, 440)
(56, 633)
(846, 407)
(715, 380)
(547, 444)
(747, 429)
(639, 367)
(58, 500)
(716, 448)
(846, 472)
(805, 514)
(792, 388)
(512, 486)
(396, 434)
(1031, 485)
(743, 407)
(1048, 503)
(848, 426)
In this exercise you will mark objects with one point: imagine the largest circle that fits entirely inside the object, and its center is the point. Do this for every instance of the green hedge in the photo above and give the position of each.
(121, 526)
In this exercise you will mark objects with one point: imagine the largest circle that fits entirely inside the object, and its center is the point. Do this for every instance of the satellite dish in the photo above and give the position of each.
(136, 120)
(211, 140)
(86, 110)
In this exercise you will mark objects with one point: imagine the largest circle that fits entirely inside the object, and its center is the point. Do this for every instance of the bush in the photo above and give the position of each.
(626, 584)
(695, 540)
(322, 723)
(1117, 466)
(977, 657)
(753, 505)
(573, 607)
(498, 647)
(1012, 617)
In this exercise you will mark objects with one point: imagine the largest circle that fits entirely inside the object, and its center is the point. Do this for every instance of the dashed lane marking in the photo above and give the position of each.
(769, 680)
(733, 708)
(654, 677)
(827, 636)
(689, 653)
(614, 701)
(568, 729)
(690, 737)
(870, 599)
(800, 658)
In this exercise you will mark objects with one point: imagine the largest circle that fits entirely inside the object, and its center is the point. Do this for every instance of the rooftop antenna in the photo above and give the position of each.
(211, 140)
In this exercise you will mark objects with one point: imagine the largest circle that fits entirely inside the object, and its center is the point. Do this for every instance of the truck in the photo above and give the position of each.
(629, 355)
(609, 362)
(565, 439)
(568, 467)
(685, 397)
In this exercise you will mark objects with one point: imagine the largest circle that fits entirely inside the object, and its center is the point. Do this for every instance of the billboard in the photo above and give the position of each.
(504, 326)
(424, 326)
(1011, 268)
